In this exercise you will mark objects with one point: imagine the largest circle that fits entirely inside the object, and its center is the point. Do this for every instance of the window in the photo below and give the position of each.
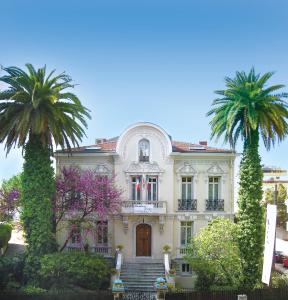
(152, 188)
(102, 233)
(136, 187)
(187, 188)
(144, 150)
(186, 233)
(75, 235)
(213, 192)
(186, 269)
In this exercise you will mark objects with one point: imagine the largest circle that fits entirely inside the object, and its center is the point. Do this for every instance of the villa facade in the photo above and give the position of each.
(170, 191)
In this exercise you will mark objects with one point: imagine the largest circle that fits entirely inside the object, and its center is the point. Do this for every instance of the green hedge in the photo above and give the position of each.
(5, 234)
(11, 271)
(86, 270)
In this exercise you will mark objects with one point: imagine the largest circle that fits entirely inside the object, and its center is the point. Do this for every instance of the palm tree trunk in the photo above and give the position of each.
(38, 188)
(250, 215)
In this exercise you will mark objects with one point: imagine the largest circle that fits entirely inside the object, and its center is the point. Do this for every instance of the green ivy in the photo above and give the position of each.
(250, 215)
(38, 188)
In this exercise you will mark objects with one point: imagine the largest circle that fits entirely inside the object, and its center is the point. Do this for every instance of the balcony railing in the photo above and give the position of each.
(187, 204)
(104, 250)
(215, 204)
(144, 207)
(182, 251)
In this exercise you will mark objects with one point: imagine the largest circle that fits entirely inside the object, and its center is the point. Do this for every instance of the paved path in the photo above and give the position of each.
(16, 244)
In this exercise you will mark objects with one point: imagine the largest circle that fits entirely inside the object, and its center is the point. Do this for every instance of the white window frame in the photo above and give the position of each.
(186, 184)
(184, 224)
(213, 188)
(185, 273)
(103, 226)
(77, 243)
(153, 185)
(138, 193)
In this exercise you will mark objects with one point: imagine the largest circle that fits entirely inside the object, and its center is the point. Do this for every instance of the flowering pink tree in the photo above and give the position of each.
(10, 194)
(82, 196)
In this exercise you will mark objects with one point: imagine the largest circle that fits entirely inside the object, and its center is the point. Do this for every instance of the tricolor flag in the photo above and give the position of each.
(137, 183)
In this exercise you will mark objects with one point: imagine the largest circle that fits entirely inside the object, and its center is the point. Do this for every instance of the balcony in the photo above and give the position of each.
(182, 251)
(104, 250)
(144, 207)
(215, 205)
(187, 204)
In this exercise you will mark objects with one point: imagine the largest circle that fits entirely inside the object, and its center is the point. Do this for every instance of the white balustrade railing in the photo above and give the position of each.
(146, 207)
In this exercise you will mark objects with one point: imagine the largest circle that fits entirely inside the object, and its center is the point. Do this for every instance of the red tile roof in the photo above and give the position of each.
(109, 145)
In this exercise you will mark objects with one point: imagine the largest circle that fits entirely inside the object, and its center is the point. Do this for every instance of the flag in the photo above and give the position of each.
(137, 183)
(143, 182)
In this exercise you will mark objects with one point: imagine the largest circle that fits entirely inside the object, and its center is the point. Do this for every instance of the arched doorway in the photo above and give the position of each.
(143, 240)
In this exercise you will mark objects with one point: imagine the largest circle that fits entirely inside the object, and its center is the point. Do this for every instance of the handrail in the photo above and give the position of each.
(118, 263)
(166, 264)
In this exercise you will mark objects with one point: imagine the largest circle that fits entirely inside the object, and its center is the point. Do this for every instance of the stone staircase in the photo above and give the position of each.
(141, 276)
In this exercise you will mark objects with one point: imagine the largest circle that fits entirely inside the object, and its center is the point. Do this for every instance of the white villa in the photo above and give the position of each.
(171, 190)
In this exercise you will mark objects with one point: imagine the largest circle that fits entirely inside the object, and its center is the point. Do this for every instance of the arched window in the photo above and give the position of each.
(144, 150)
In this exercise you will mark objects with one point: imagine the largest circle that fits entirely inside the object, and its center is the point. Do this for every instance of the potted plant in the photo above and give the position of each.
(114, 275)
(119, 248)
(172, 272)
(166, 248)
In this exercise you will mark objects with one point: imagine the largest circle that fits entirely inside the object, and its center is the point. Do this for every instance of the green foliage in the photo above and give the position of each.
(12, 183)
(11, 270)
(215, 256)
(5, 234)
(279, 280)
(248, 105)
(33, 290)
(37, 103)
(36, 112)
(10, 197)
(250, 214)
(38, 189)
(281, 207)
(246, 109)
(81, 269)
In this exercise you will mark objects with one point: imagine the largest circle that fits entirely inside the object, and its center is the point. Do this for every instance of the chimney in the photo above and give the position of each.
(203, 143)
(100, 141)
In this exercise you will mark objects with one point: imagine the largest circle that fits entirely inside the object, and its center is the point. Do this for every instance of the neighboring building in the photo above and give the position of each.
(272, 176)
(171, 190)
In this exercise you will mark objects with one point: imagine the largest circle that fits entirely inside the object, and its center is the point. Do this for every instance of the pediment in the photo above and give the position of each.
(144, 167)
(215, 169)
(187, 168)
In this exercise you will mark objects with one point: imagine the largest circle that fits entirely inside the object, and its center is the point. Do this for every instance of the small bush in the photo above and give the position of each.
(85, 270)
(33, 290)
(279, 280)
(5, 234)
(11, 270)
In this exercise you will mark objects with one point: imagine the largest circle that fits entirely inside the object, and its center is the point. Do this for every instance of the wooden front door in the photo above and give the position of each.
(143, 240)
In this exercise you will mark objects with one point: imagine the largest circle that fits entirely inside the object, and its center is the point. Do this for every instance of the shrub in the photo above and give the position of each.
(33, 290)
(85, 270)
(214, 254)
(5, 234)
(11, 270)
(279, 280)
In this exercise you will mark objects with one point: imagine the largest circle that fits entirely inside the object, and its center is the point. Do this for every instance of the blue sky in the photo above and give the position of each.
(156, 61)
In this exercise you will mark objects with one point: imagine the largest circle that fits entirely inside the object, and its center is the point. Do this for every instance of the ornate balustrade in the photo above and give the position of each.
(106, 251)
(144, 207)
(215, 204)
(187, 204)
(182, 251)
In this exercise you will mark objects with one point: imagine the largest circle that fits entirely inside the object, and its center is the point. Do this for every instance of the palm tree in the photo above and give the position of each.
(37, 111)
(248, 109)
